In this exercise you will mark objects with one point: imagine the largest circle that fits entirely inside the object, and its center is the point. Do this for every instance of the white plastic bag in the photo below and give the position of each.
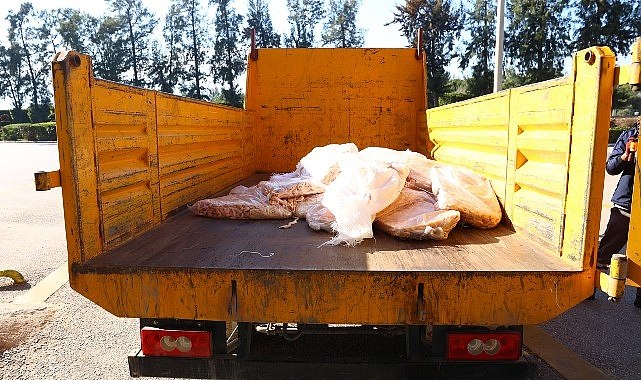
(322, 162)
(361, 189)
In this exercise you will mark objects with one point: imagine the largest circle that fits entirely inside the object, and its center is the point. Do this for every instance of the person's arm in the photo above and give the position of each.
(619, 158)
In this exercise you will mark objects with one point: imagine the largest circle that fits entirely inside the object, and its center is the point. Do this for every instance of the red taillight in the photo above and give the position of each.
(504, 345)
(159, 342)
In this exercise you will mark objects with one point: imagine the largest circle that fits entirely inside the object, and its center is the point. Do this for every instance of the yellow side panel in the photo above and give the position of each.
(129, 157)
(200, 149)
(124, 123)
(634, 243)
(370, 97)
(543, 148)
(540, 119)
(473, 134)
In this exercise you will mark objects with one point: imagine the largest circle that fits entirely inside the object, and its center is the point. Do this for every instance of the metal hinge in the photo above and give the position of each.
(47, 180)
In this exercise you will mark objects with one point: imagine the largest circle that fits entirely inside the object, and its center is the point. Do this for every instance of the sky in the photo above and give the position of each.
(372, 17)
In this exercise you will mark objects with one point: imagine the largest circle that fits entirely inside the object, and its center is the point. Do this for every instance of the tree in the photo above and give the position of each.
(537, 38)
(167, 68)
(25, 31)
(441, 25)
(138, 24)
(228, 61)
(258, 19)
(108, 48)
(196, 43)
(340, 28)
(12, 83)
(73, 26)
(611, 23)
(303, 17)
(479, 49)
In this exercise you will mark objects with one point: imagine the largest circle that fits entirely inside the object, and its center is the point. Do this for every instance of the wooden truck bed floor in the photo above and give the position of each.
(189, 241)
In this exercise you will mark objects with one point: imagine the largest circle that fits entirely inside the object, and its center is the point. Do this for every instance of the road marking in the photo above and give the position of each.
(558, 356)
(45, 288)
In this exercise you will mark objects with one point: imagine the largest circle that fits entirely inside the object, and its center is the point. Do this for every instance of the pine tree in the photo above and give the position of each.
(258, 19)
(197, 41)
(73, 28)
(12, 81)
(610, 23)
(25, 35)
(108, 48)
(303, 17)
(479, 49)
(340, 29)
(228, 61)
(441, 25)
(537, 38)
(138, 24)
(167, 68)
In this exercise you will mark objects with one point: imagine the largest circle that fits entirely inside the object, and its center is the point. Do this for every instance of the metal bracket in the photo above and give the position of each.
(47, 180)
(630, 74)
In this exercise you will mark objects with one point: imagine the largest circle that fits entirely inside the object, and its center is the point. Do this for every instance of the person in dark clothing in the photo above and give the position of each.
(621, 161)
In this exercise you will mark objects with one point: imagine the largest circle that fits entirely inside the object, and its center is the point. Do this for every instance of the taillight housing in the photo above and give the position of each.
(180, 343)
(496, 345)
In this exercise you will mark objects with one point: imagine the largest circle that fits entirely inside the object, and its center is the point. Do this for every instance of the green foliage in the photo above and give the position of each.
(138, 24)
(196, 42)
(479, 49)
(441, 24)
(537, 37)
(108, 48)
(19, 116)
(625, 101)
(29, 38)
(39, 113)
(303, 17)
(613, 23)
(228, 61)
(340, 29)
(258, 19)
(29, 132)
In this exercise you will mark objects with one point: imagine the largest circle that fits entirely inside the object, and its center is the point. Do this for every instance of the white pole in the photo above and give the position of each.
(498, 51)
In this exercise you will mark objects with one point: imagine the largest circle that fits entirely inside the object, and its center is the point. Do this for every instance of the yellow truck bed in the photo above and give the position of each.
(131, 159)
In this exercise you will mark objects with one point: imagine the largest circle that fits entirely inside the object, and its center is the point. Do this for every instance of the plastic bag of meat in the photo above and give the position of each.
(420, 166)
(415, 215)
(290, 189)
(361, 189)
(320, 218)
(471, 194)
(241, 203)
(303, 207)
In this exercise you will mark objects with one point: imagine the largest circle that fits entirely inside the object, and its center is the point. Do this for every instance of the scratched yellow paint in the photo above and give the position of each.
(130, 157)
(371, 97)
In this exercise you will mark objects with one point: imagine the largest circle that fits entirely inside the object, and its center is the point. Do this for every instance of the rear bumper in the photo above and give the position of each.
(230, 367)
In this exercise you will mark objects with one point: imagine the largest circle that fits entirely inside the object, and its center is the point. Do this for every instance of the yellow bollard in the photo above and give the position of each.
(618, 275)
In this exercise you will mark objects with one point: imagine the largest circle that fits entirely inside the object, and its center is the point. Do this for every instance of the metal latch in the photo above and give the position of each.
(630, 74)
(47, 180)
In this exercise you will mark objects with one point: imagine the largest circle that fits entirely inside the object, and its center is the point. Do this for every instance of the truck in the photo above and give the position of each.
(243, 299)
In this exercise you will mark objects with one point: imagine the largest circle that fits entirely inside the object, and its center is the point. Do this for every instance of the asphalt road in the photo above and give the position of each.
(68, 337)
